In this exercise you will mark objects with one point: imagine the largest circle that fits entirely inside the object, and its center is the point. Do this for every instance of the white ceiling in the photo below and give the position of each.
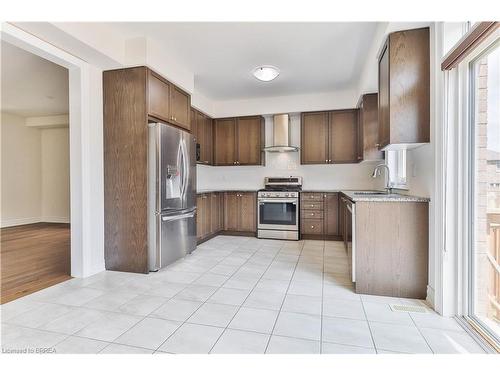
(312, 57)
(31, 85)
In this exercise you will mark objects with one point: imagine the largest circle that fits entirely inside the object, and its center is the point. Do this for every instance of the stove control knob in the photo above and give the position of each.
(287, 195)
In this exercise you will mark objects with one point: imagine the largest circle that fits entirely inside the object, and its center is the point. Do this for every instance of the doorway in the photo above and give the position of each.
(35, 179)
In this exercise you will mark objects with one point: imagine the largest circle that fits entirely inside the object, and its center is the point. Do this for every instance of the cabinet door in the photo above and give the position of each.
(208, 138)
(369, 123)
(249, 140)
(214, 212)
(341, 216)
(159, 97)
(200, 125)
(207, 217)
(194, 127)
(200, 216)
(343, 136)
(360, 133)
(383, 98)
(248, 212)
(314, 138)
(231, 211)
(180, 104)
(331, 214)
(225, 141)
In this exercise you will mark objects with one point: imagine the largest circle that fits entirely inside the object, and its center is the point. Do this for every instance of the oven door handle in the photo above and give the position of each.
(262, 201)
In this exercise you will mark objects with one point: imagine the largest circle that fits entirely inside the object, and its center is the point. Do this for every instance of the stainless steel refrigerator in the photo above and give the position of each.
(171, 194)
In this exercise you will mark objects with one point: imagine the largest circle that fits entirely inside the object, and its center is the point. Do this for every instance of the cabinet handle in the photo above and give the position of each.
(312, 205)
(312, 213)
(312, 226)
(324, 195)
(312, 196)
(206, 162)
(326, 161)
(377, 144)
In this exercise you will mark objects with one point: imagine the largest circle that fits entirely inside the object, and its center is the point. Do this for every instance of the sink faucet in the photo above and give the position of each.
(376, 172)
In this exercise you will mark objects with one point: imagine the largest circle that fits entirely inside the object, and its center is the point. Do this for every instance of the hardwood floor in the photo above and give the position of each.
(33, 257)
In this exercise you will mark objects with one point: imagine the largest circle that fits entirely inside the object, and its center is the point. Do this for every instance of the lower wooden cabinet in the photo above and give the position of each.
(208, 215)
(240, 211)
(319, 215)
(331, 204)
(392, 248)
(225, 211)
(216, 212)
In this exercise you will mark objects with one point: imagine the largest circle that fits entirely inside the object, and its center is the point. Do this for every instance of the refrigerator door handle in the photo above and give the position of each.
(178, 217)
(185, 169)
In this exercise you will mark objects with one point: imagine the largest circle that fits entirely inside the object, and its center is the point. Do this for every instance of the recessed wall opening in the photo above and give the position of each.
(35, 173)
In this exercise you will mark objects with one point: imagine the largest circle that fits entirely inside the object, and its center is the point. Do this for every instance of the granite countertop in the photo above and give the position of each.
(320, 191)
(206, 191)
(351, 194)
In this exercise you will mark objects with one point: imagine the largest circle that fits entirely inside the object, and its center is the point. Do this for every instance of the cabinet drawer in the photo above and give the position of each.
(311, 196)
(312, 214)
(311, 205)
(312, 226)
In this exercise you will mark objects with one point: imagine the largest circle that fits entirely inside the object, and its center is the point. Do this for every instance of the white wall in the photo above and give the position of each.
(21, 172)
(55, 198)
(333, 177)
(285, 104)
(35, 173)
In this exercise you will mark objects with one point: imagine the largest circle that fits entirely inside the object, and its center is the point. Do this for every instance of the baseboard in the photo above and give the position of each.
(21, 221)
(320, 237)
(204, 239)
(235, 233)
(55, 219)
(430, 296)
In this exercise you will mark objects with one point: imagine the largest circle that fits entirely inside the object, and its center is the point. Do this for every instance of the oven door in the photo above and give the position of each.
(278, 214)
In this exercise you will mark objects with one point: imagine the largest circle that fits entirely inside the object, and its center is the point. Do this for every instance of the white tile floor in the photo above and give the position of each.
(232, 295)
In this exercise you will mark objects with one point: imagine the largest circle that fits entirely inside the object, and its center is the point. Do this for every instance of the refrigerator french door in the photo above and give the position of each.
(171, 194)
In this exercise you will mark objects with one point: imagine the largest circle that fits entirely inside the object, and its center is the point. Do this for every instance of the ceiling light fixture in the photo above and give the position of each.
(266, 73)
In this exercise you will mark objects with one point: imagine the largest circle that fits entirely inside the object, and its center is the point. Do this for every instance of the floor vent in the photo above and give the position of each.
(408, 308)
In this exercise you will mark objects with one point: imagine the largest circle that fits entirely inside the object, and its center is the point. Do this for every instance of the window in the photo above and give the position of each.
(484, 202)
(396, 161)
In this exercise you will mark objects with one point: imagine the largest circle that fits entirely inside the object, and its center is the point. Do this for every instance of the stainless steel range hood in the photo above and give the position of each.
(281, 135)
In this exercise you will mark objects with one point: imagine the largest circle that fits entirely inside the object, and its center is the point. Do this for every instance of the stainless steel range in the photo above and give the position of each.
(278, 208)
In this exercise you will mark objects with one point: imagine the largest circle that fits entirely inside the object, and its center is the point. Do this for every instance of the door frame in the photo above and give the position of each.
(85, 174)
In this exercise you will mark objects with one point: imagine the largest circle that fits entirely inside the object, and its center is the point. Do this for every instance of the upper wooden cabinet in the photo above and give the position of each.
(238, 141)
(159, 97)
(314, 138)
(167, 102)
(404, 90)
(329, 137)
(202, 131)
(225, 141)
(368, 132)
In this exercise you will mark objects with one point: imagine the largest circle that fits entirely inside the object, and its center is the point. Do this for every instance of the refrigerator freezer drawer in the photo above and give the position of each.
(176, 238)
